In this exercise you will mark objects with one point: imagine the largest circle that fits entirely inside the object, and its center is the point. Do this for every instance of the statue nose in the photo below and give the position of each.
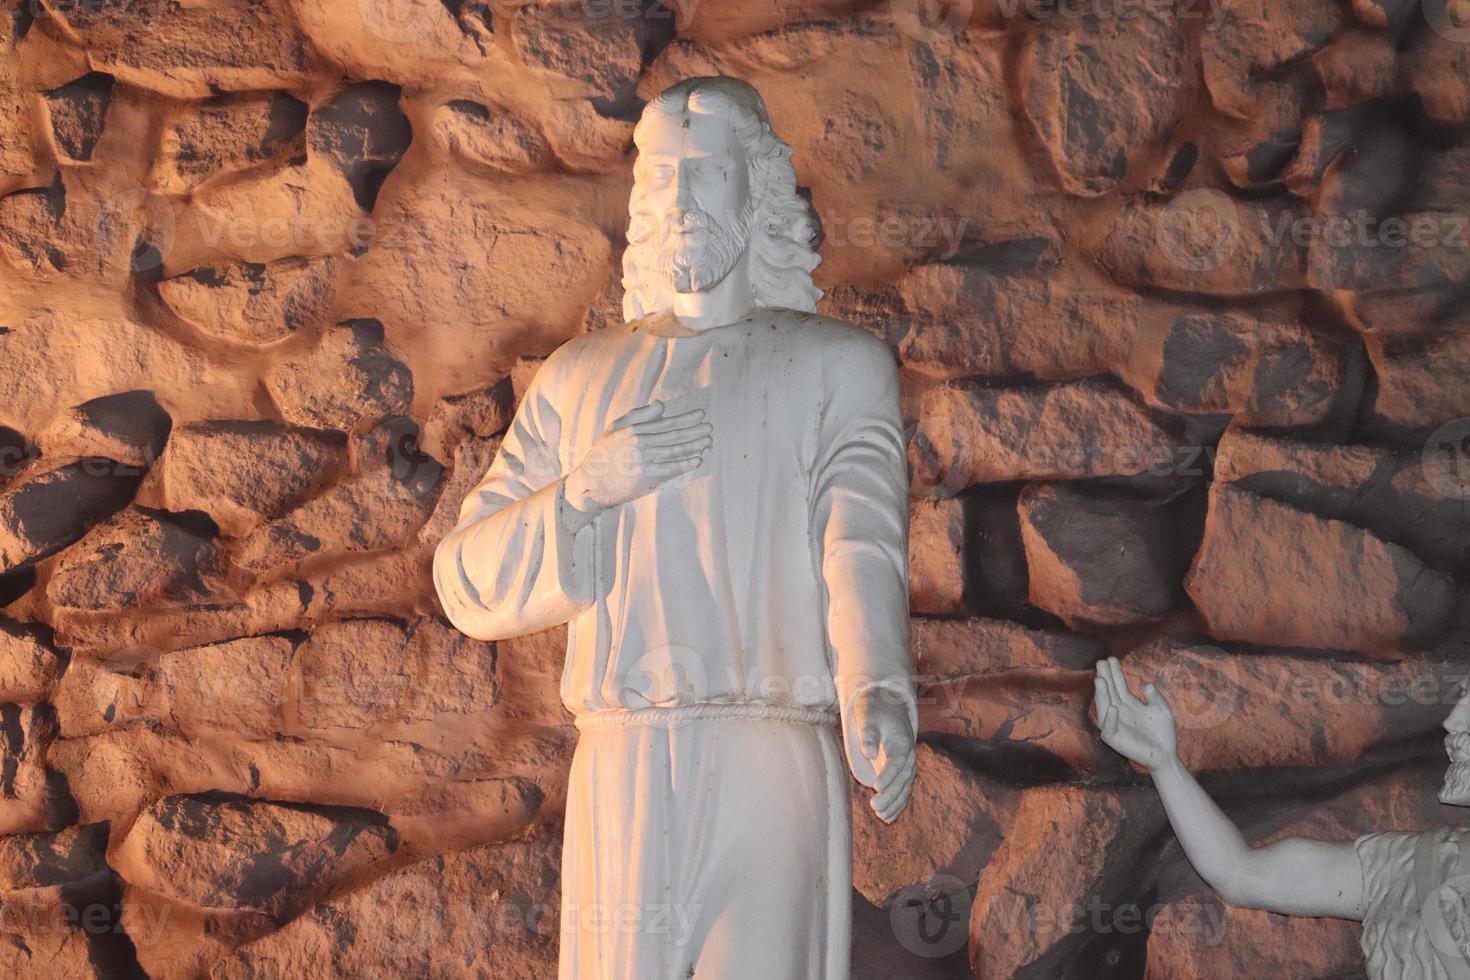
(683, 193)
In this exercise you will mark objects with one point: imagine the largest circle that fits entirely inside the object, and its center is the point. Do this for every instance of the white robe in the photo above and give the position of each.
(719, 626)
(1416, 897)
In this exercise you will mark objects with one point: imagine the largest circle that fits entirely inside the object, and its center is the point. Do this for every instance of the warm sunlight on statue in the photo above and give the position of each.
(713, 495)
(1411, 890)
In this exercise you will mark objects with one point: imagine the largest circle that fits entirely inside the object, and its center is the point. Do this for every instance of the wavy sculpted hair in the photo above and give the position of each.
(781, 229)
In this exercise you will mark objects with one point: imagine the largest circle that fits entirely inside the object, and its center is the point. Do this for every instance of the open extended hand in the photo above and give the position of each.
(1142, 731)
(887, 740)
(637, 453)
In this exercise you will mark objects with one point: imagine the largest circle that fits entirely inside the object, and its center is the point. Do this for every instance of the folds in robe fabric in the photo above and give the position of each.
(775, 573)
(746, 603)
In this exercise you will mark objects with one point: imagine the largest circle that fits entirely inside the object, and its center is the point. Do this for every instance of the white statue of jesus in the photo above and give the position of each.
(713, 496)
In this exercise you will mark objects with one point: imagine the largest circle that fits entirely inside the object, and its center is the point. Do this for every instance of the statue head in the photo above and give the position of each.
(713, 187)
(1456, 788)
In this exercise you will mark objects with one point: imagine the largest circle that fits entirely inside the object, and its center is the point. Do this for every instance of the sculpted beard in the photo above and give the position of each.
(695, 251)
(1456, 788)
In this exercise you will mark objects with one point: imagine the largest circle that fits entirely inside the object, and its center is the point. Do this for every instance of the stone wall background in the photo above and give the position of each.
(1180, 296)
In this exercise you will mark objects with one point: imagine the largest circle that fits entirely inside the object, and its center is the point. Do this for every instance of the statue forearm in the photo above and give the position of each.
(1212, 842)
(1294, 876)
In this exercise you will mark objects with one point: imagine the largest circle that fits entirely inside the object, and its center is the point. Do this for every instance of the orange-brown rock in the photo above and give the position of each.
(352, 376)
(362, 130)
(29, 664)
(154, 44)
(1260, 709)
(138, 557)
(1103, 92)
(241, 685)
(129, 427)
(78, 112)
(946, 648)
(1251, 39)
(253, 302)
(368, 673)
(490, 139)
(1009, 314)
(30, 798)
(242, 473)
(269, 858)
(490, 911)
(49, 509)
(1438, 65)
(481, 412)
(1262, 366)
(62, 917)
(981, 434)
(937, 556)
(1414, 499)
(1027, 724)
(953, 823)
(377, 510)
(52, 363)
(1206, 241)
(1098, 558)
(1201, 936)
(1268, 573)
(471, 461)
(1414, 390)
(228, 134)
(1056, 890)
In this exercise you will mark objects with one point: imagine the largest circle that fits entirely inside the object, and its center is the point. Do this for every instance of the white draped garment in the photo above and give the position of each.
(734, 610)
(1416, 897)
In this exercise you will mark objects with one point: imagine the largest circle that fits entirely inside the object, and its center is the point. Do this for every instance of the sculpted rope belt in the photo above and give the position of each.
(703, 710)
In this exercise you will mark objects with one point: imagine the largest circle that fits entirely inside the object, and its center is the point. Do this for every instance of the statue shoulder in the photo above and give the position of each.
(582, 349)
(851, 350)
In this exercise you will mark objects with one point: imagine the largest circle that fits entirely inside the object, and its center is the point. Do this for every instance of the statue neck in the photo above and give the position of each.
(729, 300)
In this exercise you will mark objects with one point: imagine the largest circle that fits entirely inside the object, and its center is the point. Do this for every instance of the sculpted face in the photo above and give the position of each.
(694, 199)
(1456, 788)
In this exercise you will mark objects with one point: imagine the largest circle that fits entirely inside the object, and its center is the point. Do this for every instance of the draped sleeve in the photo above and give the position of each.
(860, 519)
(510, 566)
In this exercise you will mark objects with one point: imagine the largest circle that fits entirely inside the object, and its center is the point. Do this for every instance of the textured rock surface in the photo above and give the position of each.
(1268, 573)
(276, 274)
(1097, 559)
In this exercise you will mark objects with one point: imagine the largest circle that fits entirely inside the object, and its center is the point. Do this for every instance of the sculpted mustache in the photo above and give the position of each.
(1458, 744)
(695, 220)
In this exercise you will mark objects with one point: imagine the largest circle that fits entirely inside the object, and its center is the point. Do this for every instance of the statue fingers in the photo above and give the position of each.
(643, 413)
(1126, 697)
(896, 790)
(671, 468)
(894, 767)
(1110, 684)
(897, 806)
(671, 437)
(1156, 699)
(679, 450)
(1102, 698)
(666, 422)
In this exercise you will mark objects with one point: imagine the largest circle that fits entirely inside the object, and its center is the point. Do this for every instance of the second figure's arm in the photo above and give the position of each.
(1294, 876)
